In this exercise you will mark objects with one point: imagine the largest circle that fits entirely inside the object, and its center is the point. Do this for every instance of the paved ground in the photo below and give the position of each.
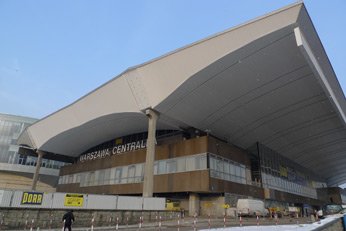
(201, 223)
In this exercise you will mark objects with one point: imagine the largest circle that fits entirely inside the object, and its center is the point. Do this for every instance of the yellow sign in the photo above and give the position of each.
(225, 206)
(283, 171)
(119, 141)
(207, 204)
(32, 198)
(75, 200)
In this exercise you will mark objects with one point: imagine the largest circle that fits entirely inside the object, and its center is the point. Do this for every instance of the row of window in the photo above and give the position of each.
(226, 169)
(10, 129)
(220, 168)
(15, 158)
(272, 163)
(135, 173)
(281, 184)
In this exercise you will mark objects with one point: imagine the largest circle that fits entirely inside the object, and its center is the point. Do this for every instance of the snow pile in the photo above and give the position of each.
(300, 227)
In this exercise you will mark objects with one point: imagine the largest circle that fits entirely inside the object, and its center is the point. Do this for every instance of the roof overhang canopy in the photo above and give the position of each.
(267, 81)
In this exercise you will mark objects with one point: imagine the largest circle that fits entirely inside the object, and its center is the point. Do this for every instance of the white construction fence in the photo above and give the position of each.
(30, 199)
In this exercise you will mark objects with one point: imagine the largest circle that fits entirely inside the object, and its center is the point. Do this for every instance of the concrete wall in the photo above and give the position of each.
(330, 195)
(212, 206)
(21, 219)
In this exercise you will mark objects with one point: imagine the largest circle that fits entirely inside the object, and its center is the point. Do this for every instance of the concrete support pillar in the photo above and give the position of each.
(193, 204)
(37, 170)
(148, 184)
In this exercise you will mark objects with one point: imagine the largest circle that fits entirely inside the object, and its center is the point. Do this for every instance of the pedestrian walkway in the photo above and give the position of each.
(199, 223)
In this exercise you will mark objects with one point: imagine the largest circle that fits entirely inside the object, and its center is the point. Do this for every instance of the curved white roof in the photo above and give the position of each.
(268, 80)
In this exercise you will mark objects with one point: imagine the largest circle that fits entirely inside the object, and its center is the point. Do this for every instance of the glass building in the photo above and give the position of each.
(16, 170)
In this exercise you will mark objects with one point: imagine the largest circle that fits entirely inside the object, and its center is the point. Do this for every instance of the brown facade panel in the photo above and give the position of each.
(228, 151)
(117, 189)
(195, 181)
(220, 186)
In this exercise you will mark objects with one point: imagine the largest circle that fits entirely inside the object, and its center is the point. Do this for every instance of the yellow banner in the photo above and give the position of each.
(75, 200)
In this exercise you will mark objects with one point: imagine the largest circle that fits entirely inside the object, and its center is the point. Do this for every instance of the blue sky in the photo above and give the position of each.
(54, 52)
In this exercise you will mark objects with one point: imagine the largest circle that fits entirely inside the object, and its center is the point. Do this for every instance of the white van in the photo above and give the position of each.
(251, 207)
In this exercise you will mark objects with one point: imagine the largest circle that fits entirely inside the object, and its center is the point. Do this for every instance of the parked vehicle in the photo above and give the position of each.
(293, 211)
(251, 207)
(331, 209)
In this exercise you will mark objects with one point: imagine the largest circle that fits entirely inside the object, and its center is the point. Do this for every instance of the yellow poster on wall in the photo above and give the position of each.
(75, 200)
(283, 171)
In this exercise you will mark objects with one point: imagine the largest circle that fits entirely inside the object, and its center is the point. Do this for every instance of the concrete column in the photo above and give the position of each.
(148, 184)
(193, 204)
(37, 170)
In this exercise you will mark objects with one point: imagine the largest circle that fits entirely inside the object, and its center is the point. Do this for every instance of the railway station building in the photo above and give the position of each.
(255, 111)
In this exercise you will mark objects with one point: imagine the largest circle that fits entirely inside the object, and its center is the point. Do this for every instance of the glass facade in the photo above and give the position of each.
(11, 127)
(220, 168)
(282, 174)
(226, 169)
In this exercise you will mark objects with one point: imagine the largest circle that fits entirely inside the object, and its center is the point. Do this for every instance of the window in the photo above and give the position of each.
(181, 164)
(139, 173)
(117, 177)
(190, 163)
(107, 176)
(101, 177)
(171, 166)
(124, 176)
(70, 179)
(162, 167)
(131, 174)
(83, 179)
(212, 163)
(201, 162)
(89, 178)
(156, 167)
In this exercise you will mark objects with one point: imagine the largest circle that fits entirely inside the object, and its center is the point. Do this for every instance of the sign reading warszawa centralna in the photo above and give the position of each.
(100, 154)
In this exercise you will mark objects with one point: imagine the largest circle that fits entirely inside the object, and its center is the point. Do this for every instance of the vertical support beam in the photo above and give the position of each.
(148, 184)
(37, 170)
(193, 204)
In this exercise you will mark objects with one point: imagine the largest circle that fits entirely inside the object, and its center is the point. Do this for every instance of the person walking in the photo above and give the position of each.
(68, 218)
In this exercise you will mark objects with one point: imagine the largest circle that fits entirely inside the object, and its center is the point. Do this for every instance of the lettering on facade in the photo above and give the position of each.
(100, 154)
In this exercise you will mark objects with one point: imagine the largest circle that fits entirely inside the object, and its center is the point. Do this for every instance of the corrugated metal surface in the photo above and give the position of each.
(102, 202)
(19, 200)
(154, 204)
(129, 203)
(5, 198)
(59, 201)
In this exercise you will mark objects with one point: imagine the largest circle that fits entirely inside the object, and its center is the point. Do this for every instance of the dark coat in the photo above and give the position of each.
(68, 217)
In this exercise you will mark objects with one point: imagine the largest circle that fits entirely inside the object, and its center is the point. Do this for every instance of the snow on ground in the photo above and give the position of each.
(300, 227)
